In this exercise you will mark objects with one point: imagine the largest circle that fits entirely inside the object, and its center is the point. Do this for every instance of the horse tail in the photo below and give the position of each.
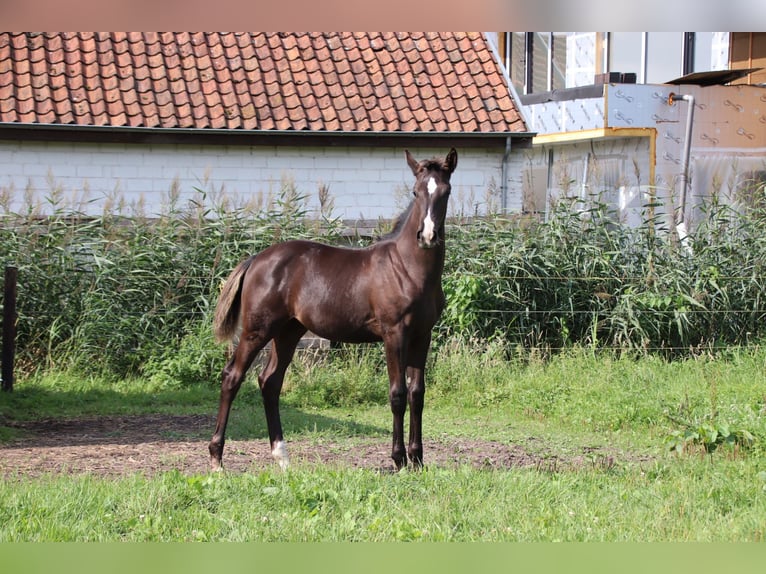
(227, 310)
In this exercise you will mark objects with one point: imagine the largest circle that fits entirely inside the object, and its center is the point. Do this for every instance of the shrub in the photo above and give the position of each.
(322, 380)
(122, 291)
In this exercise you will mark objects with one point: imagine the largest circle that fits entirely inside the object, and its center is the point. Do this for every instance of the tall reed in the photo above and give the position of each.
(124, 292)
(117, 291)
(583, 278)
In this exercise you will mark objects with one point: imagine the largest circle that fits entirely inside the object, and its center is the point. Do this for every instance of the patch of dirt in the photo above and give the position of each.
(119, 445)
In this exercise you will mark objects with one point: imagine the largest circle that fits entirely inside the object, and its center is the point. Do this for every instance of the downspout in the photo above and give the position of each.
(522, 112)
(585, 175)
(504, 175)
(681, 227)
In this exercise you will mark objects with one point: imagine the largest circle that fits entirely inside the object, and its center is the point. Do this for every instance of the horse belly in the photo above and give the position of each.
(343, 326)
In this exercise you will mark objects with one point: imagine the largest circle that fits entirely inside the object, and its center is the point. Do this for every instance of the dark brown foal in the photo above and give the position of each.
(390, 291)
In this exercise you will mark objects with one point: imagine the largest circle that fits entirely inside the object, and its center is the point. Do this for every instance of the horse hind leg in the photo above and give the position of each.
(231, 380)
(270, 382)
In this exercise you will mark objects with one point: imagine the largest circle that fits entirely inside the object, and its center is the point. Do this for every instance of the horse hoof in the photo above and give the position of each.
(279, 452)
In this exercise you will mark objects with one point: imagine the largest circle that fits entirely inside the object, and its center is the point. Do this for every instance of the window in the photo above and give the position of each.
(546, 61)
(626, 53)
(664, 57)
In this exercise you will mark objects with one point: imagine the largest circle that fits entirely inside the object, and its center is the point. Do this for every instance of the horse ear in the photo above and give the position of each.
(451, 161)
(412, 162)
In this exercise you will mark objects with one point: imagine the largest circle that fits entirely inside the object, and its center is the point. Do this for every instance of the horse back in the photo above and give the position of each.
(342, 294)
(324, 287)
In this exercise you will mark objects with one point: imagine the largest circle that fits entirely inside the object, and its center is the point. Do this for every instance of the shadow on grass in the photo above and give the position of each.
(38, 416)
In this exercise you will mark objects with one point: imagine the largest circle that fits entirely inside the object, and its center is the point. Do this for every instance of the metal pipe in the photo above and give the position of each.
(585, 176)
(681, 215)
(504, 175)
(549, 83)
(644, 57)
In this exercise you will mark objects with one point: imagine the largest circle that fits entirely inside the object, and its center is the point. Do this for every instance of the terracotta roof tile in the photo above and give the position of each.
(387, 82)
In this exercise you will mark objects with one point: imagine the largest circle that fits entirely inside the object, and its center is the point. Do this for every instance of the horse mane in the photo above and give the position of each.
(398, 223)
(428, 164)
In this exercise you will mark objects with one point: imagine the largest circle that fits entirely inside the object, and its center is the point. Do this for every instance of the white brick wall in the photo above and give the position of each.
(364, 182)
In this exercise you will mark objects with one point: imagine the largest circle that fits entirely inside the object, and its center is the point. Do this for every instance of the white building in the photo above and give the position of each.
(98, 118)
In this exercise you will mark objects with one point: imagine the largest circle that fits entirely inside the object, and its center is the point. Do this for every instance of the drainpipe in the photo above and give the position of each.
(585, 176)
(504, 172)
(681, 227)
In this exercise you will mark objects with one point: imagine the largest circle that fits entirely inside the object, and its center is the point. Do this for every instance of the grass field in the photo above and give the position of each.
(628, 412)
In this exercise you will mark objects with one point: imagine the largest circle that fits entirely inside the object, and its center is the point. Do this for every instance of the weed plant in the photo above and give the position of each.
(123, 292)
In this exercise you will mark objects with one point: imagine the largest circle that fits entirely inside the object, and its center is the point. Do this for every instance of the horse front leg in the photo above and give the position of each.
(397, 396)
(416, 390)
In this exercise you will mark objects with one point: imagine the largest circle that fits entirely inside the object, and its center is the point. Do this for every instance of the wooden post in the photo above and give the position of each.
(9, 327)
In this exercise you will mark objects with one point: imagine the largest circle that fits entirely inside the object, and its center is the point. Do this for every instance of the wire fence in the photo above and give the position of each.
(122, 293)
(523, 322)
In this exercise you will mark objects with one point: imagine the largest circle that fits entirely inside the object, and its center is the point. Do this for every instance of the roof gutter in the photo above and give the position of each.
(242, 137)
(243, 132)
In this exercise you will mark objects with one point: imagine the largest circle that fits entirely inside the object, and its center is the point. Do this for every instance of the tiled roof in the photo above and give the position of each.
(330, 82)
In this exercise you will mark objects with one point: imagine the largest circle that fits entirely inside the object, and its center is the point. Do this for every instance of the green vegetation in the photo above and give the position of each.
(581, 278)
(568, 337)
(114, 293)
(637, 485)
(689, 500)
(129, 294)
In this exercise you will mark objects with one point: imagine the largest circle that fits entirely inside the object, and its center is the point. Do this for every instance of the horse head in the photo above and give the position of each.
(431, 190)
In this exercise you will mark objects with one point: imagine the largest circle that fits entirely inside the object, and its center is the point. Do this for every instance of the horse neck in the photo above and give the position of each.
(430, 261)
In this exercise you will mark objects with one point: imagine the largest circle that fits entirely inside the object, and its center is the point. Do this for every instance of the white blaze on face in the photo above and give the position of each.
(428, 224)
(431, 186)
(428, 229)
(279, 452)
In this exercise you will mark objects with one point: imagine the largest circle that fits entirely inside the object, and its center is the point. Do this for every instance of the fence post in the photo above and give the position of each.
(9, 327)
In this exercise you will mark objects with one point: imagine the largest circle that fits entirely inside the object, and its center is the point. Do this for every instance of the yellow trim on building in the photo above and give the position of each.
(605, 133)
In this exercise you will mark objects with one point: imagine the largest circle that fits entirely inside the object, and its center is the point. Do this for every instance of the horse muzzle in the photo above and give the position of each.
(428, 235)
(428, 240)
